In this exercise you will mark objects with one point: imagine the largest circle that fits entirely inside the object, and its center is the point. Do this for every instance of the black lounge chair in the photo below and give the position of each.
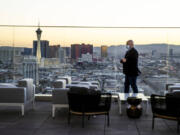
(89, 104)
(166, 107)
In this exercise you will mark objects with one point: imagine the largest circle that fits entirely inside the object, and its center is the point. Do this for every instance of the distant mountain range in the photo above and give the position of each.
(147, 48)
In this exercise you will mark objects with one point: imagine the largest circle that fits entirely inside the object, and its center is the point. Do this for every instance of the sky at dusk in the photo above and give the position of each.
(90, 13)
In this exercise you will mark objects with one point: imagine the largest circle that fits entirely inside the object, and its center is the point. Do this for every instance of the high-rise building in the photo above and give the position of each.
(62, 55)
(86, 48)
(104, 51)
(44, 48)
(171, 52)
(75, 51)
(39, 52)
(153, 52)
(54, 51)
(67, 51)
(78, 49)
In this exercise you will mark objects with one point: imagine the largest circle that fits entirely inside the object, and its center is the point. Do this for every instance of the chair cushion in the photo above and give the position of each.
(59, 96)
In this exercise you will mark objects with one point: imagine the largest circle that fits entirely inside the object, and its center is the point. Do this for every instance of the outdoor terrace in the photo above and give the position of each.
(40, 122)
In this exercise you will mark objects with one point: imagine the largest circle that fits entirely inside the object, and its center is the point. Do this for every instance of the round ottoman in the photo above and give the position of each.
(134, 109)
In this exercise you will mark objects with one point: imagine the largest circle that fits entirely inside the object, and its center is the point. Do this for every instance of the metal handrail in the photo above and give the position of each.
(101, 27)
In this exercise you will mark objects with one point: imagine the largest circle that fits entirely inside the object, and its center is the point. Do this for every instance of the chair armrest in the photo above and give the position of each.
(168, 84)
(157, 99)
(174, 87)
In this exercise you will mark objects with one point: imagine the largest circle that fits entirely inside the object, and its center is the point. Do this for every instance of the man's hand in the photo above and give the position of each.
(124, 60)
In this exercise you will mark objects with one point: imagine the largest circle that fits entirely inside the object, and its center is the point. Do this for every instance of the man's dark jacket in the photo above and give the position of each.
(130, 67)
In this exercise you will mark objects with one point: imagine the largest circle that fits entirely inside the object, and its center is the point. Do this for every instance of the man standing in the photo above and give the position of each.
(130, 67)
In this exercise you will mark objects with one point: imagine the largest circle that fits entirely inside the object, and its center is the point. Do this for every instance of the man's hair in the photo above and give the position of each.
(129, 41)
